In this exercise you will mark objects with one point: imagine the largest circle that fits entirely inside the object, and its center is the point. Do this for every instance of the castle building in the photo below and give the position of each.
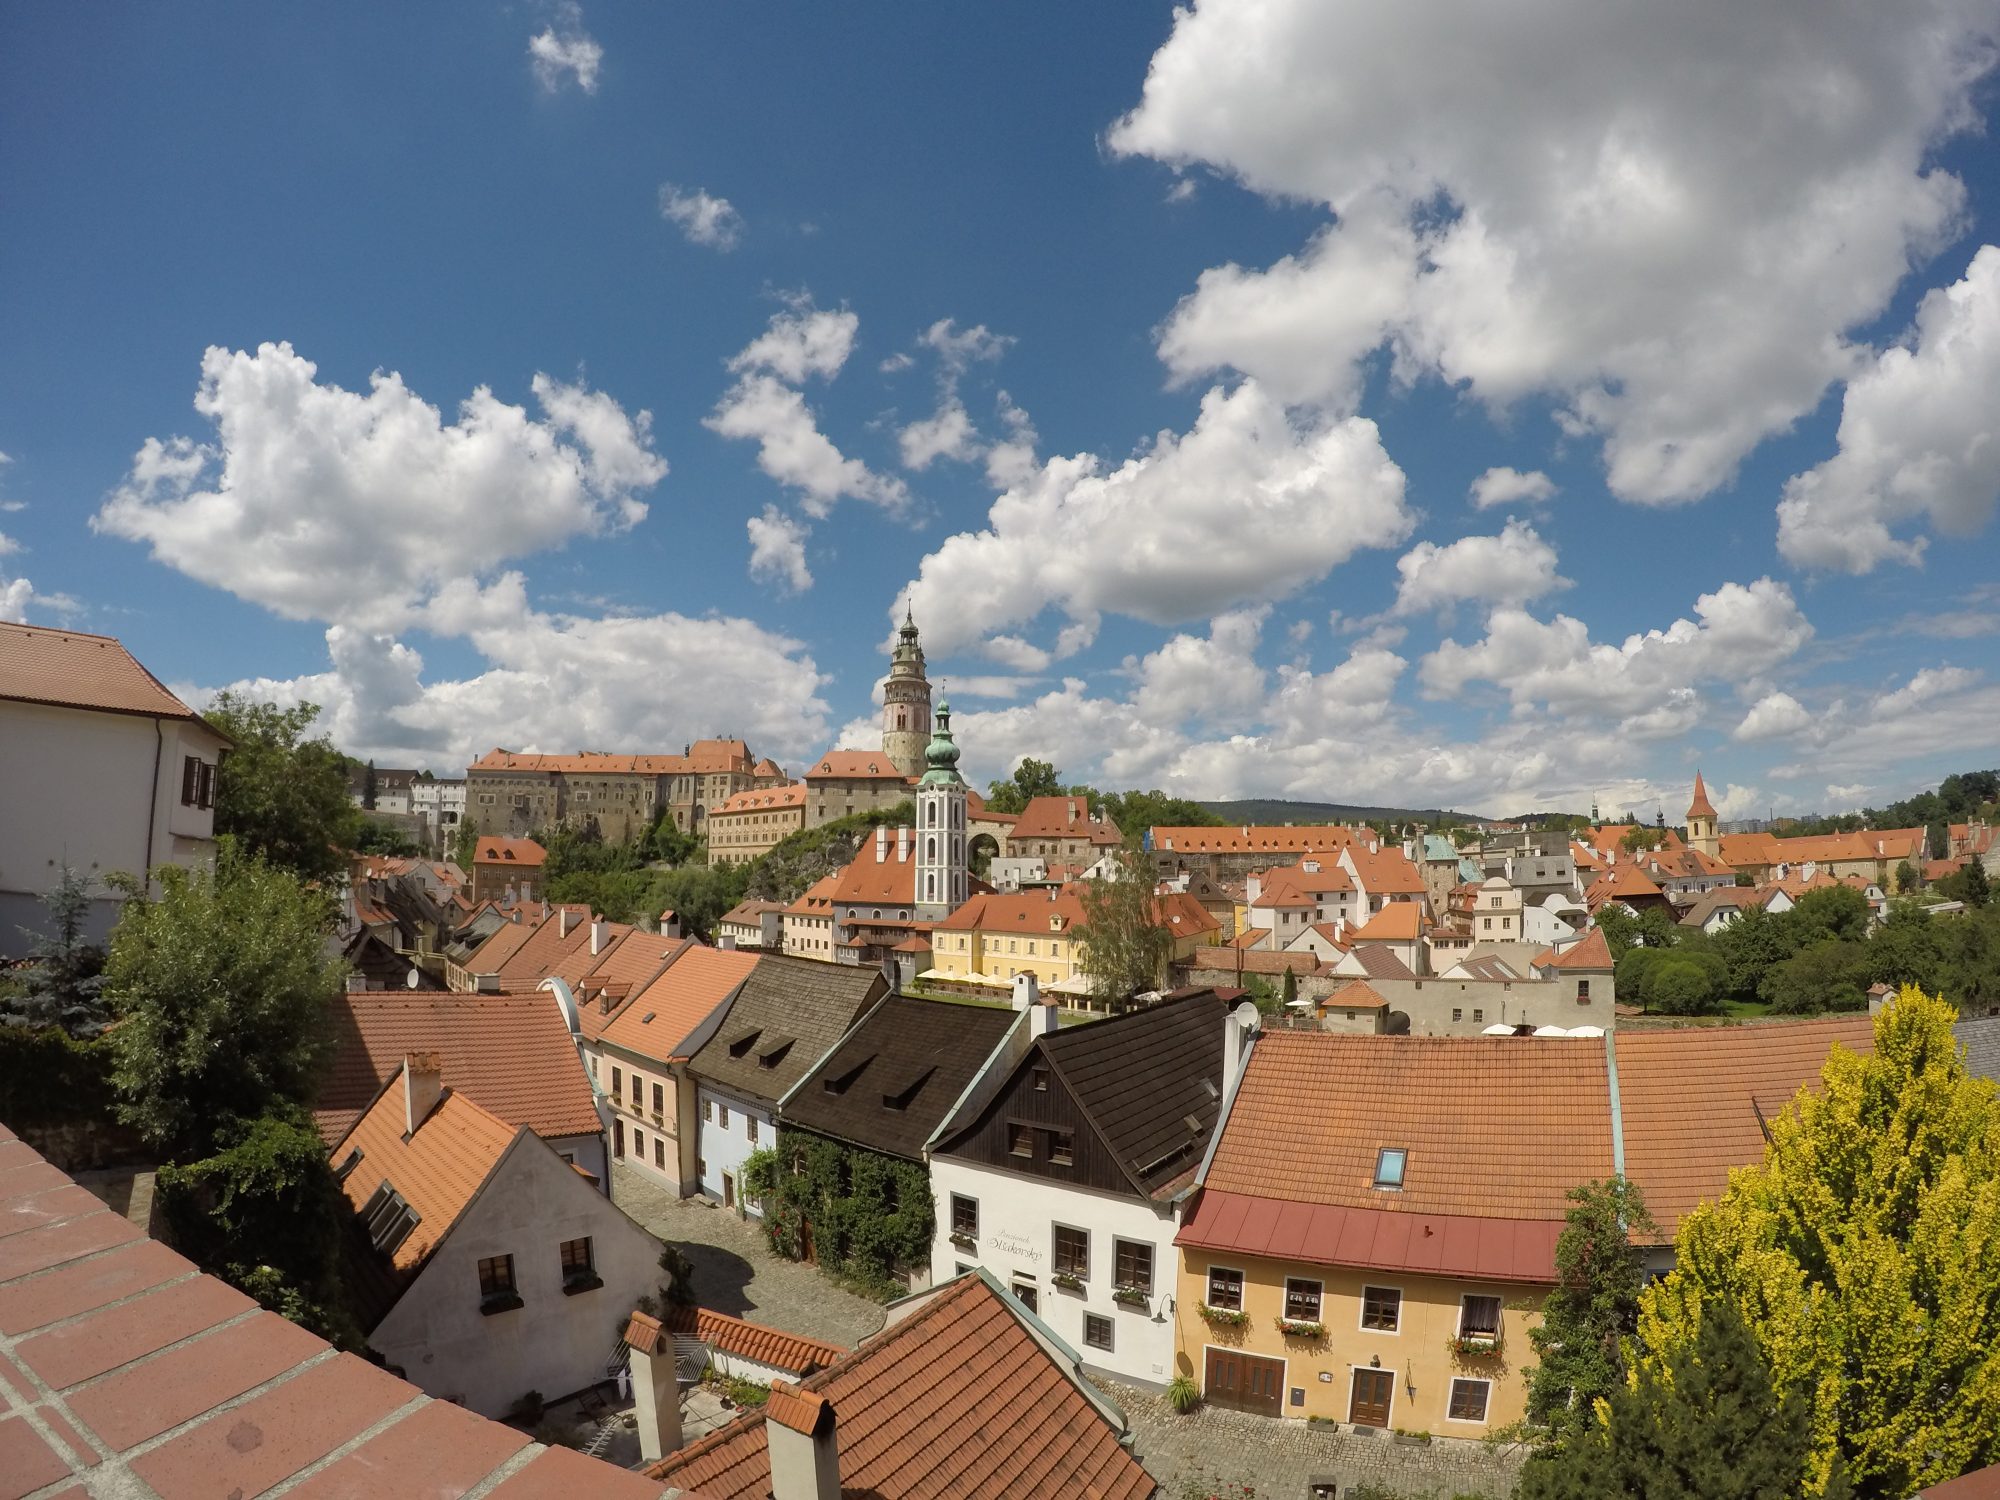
(906, 703)
(1701, 835)
(942, 883)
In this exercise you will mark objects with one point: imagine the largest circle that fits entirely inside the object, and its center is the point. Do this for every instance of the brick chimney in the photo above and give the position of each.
(423, 1087)
(804, 1450)
(600, 935)
(656, 1397)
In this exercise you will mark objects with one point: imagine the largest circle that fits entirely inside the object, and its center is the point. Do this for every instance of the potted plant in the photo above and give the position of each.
(1298, 1328)
(1413, 1439)
(964, 1241)
(1183, 1395)
(1131, 1296)
(1473, 1345)
(1067, 1281)
(1224, 1317)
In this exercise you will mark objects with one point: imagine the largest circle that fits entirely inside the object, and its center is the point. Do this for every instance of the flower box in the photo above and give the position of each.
(1293, 1328)
(1473, 1345)
(1223, 1317)
(1131, 1296)
(1067, 1282)
(964, 1241)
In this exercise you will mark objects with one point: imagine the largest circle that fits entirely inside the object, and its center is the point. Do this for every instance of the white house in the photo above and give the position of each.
(1063, 1171)
(105, 769)
(501, 1270)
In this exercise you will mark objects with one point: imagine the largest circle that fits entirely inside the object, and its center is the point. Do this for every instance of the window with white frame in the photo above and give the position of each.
(1225, 1289)
(1381, 1308)
(1479, 1317)
(1302, 1299)
(1468, 1400)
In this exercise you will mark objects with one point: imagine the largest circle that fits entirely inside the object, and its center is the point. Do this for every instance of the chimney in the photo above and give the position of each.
(881, 844)
(1072, 810)
(902, 845)
(670, 923)
(656, 1400)
(1238, 1027)
(804, 1452)
(1027, 991)
(1046, 1018)
(423, 1087)
(600, 935)
(562, 921)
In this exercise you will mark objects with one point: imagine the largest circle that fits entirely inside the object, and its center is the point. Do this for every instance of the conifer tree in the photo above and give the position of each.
(1592, 1310)
(61, 986)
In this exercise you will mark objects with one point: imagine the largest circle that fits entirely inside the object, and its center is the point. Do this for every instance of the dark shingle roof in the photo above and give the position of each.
(1981, 1040)
(786, 1017)
(1142, 1076)
(894, 1076)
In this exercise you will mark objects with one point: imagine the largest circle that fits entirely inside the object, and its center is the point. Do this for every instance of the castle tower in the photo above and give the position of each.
(1701, 822)
(906, 703)
(941, 845)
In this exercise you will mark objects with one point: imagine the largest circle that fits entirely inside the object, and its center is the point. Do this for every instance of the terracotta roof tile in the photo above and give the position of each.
(69, 669)
(1477, 1249)
(1386, 871)
(1064, 818)
(511, 1053)
(762, 799)
(1700, 807)
(657, 1022)
(884, 880)
(1285, 839)
(1398, 922)
(1356, 994)
(767, 1346)
(437, 1170)
(958, 1399)
(1497, 1127)
(1592, 955)
(1045, 912)
(1690, 1099)
(522, 853)
(565, 930)
(133, 1344)
(854, 765)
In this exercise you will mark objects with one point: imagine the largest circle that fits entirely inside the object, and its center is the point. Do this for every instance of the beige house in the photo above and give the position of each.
(106, 770)
(753, 823)
(808, 922)
(1062, 828)
(843, 782)
(515, 793)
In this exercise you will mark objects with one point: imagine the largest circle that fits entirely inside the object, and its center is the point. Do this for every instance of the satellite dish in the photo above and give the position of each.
(413, 979)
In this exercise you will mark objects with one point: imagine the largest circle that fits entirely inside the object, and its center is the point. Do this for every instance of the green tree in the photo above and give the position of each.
(1830, 975)
(1639, 837)
(1681, 987)
(1863, 1256)
(671, 845)
(1125, 946)
(280, 794)
(1974, 888)
(1289, 991)
(369, 787)
(1751, 945)
(1032, 778)
(222, 989)
(464, 844)
(1905, 948)
(1711, 1425)
(382, 838)
(1906, 878)
(64, 980)
(1593, 1308)
(1837, 911)
(1134, 812)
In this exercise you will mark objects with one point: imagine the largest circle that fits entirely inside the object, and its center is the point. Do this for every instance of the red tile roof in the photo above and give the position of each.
(69, 669)
(621, 971)
(1590, 956)
(511, 1053)
(1051, 912)
(957, 1399)
(1386, 872)
(887, 881)
(704, 757)
(1398, 922)
(1064, 818)
(767, 1346)
(1701, 807)
(1285, 839)
(1479, 1249)
(658, 1020)
(765, 799)
(1691, 1099)
(854, 765)
(1356, 994)
(129, 1345)
(525, 853)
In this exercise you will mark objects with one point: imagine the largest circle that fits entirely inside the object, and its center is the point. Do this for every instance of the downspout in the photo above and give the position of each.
(153, 813)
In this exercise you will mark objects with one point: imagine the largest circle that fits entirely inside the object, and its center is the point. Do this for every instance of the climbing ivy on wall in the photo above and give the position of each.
(867, 1214)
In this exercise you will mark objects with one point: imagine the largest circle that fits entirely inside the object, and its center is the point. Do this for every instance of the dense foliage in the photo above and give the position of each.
(63, 983)
(866, 1215)
(1594, 1307)
(222, 989)
(281, 794)
(1132, 811)
(1710, 1425)
(1958, 798)
(263, 1212)
(46, 1076)
(1864, 1256)
(1124, 947)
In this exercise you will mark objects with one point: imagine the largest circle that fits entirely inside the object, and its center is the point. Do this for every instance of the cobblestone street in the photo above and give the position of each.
(735, 1271)
(1213, 1447)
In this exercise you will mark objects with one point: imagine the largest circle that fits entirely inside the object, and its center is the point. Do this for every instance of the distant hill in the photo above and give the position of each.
(1263, 810)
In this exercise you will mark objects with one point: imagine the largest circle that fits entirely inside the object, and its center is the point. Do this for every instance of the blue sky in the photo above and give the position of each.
(1160, 363)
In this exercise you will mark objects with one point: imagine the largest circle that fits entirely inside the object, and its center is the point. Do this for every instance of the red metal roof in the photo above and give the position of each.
(1437, 1244)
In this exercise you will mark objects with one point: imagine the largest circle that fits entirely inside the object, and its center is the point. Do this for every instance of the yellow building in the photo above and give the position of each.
(997, 935)
(750, 824)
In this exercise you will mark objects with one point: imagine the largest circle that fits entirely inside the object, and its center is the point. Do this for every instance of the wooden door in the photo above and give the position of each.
(618, 1139)
(728, 1191)
(1374, 1391)
(1245, 1382)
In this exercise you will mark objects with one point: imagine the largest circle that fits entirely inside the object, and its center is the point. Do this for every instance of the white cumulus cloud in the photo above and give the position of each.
(1505, 486)
(1671, 234)
(319, 502)
(1918, 441)
(1774, 716)
(563, 50)
(1245, 505)
(778, 550)
(702, 217)
(1511, 568)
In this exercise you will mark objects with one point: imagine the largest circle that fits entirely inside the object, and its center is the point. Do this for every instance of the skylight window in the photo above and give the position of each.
(1389, 1164)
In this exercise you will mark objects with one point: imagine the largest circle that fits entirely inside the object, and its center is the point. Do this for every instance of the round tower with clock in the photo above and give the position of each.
(906, 703)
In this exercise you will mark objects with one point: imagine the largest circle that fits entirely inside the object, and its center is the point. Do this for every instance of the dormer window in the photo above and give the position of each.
(1390, 1162)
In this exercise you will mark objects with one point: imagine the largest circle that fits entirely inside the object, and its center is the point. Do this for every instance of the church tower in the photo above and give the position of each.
(942, 884)
(906, 703)
(1701, 822)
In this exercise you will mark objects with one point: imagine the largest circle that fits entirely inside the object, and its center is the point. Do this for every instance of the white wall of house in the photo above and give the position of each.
(586, 1151)
(731, 1128)
(99, 792)
(1016, 1240)
(1466, 1007)
(554, 1343)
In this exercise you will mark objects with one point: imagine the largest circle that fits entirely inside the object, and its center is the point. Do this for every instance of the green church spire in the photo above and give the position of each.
(942, 754)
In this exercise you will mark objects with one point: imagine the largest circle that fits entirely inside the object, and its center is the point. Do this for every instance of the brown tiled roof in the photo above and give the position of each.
(1356, 994)
(1823, 848)
(1621, 883)
(703, 757)
(1064, 818)
(817, 899)
(854, 765)
(658, 1021)
(503, 943)
(1700, 807)
(69, 669)
(438, 1170)
(1250, 937)
(1377, 962)
(1592, 955)
(123, 1362)
(1285, 839)
(1388, 871)
(1691, 1099)
(1710, 902)
(1225, 958)
(1052, 912)
(623, 970)
(767, 1346)
(959, 1399)
(1398, 922)
(546, 948)
(763, 799)
(746, 913)
(887, 881)
(525, 853)
(1497, 1127)
(892, 1079)
(1980, 1484)
(789, 1012)
(511, 1053)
